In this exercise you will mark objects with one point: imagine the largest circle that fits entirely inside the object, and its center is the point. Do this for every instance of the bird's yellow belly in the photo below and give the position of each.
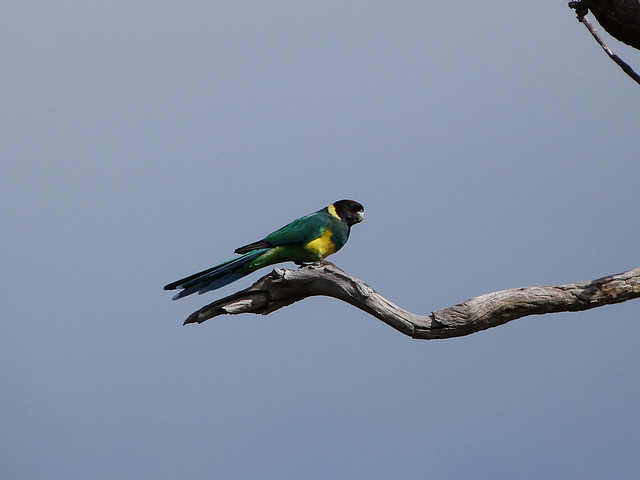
(322, 246)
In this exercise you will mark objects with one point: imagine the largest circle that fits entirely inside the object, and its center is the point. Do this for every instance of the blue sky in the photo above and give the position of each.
(491, 148)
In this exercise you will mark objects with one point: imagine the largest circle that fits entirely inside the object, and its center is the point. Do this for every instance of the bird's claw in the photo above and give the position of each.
(306, 264)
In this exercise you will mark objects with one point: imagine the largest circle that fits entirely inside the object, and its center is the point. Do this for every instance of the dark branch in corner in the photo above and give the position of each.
(284, 287)
(582, 11)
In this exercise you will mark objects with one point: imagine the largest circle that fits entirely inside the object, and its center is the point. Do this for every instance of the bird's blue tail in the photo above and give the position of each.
(215, 277)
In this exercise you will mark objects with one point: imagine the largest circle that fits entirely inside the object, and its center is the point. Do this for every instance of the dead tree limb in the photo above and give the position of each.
(284, 287)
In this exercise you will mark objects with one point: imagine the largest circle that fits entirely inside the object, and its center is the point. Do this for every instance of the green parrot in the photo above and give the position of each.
(308, 239)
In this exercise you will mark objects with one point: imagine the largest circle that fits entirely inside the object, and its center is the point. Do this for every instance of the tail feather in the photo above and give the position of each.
(214, 277)
(222, 281)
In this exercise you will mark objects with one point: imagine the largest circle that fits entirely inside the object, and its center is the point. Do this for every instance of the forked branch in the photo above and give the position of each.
(284, 287)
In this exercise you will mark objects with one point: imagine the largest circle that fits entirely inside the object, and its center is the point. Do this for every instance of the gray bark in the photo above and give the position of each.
(284, 287)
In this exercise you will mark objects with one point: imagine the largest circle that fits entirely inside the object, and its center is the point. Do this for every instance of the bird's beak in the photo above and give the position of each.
(360, 216)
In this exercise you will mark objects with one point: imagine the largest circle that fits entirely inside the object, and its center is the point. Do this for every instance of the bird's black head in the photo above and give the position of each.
(349, 211)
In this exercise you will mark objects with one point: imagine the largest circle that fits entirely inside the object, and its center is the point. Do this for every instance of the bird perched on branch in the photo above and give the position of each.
(308, 239)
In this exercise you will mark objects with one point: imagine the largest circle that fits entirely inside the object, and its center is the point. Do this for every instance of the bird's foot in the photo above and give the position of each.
(580, 7)
(318, 263)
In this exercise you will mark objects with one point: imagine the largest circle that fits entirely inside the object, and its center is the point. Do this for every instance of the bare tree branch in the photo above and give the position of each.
(284, 287)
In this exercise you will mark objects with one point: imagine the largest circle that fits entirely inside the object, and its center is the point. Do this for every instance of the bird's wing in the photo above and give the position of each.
(302, 231)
